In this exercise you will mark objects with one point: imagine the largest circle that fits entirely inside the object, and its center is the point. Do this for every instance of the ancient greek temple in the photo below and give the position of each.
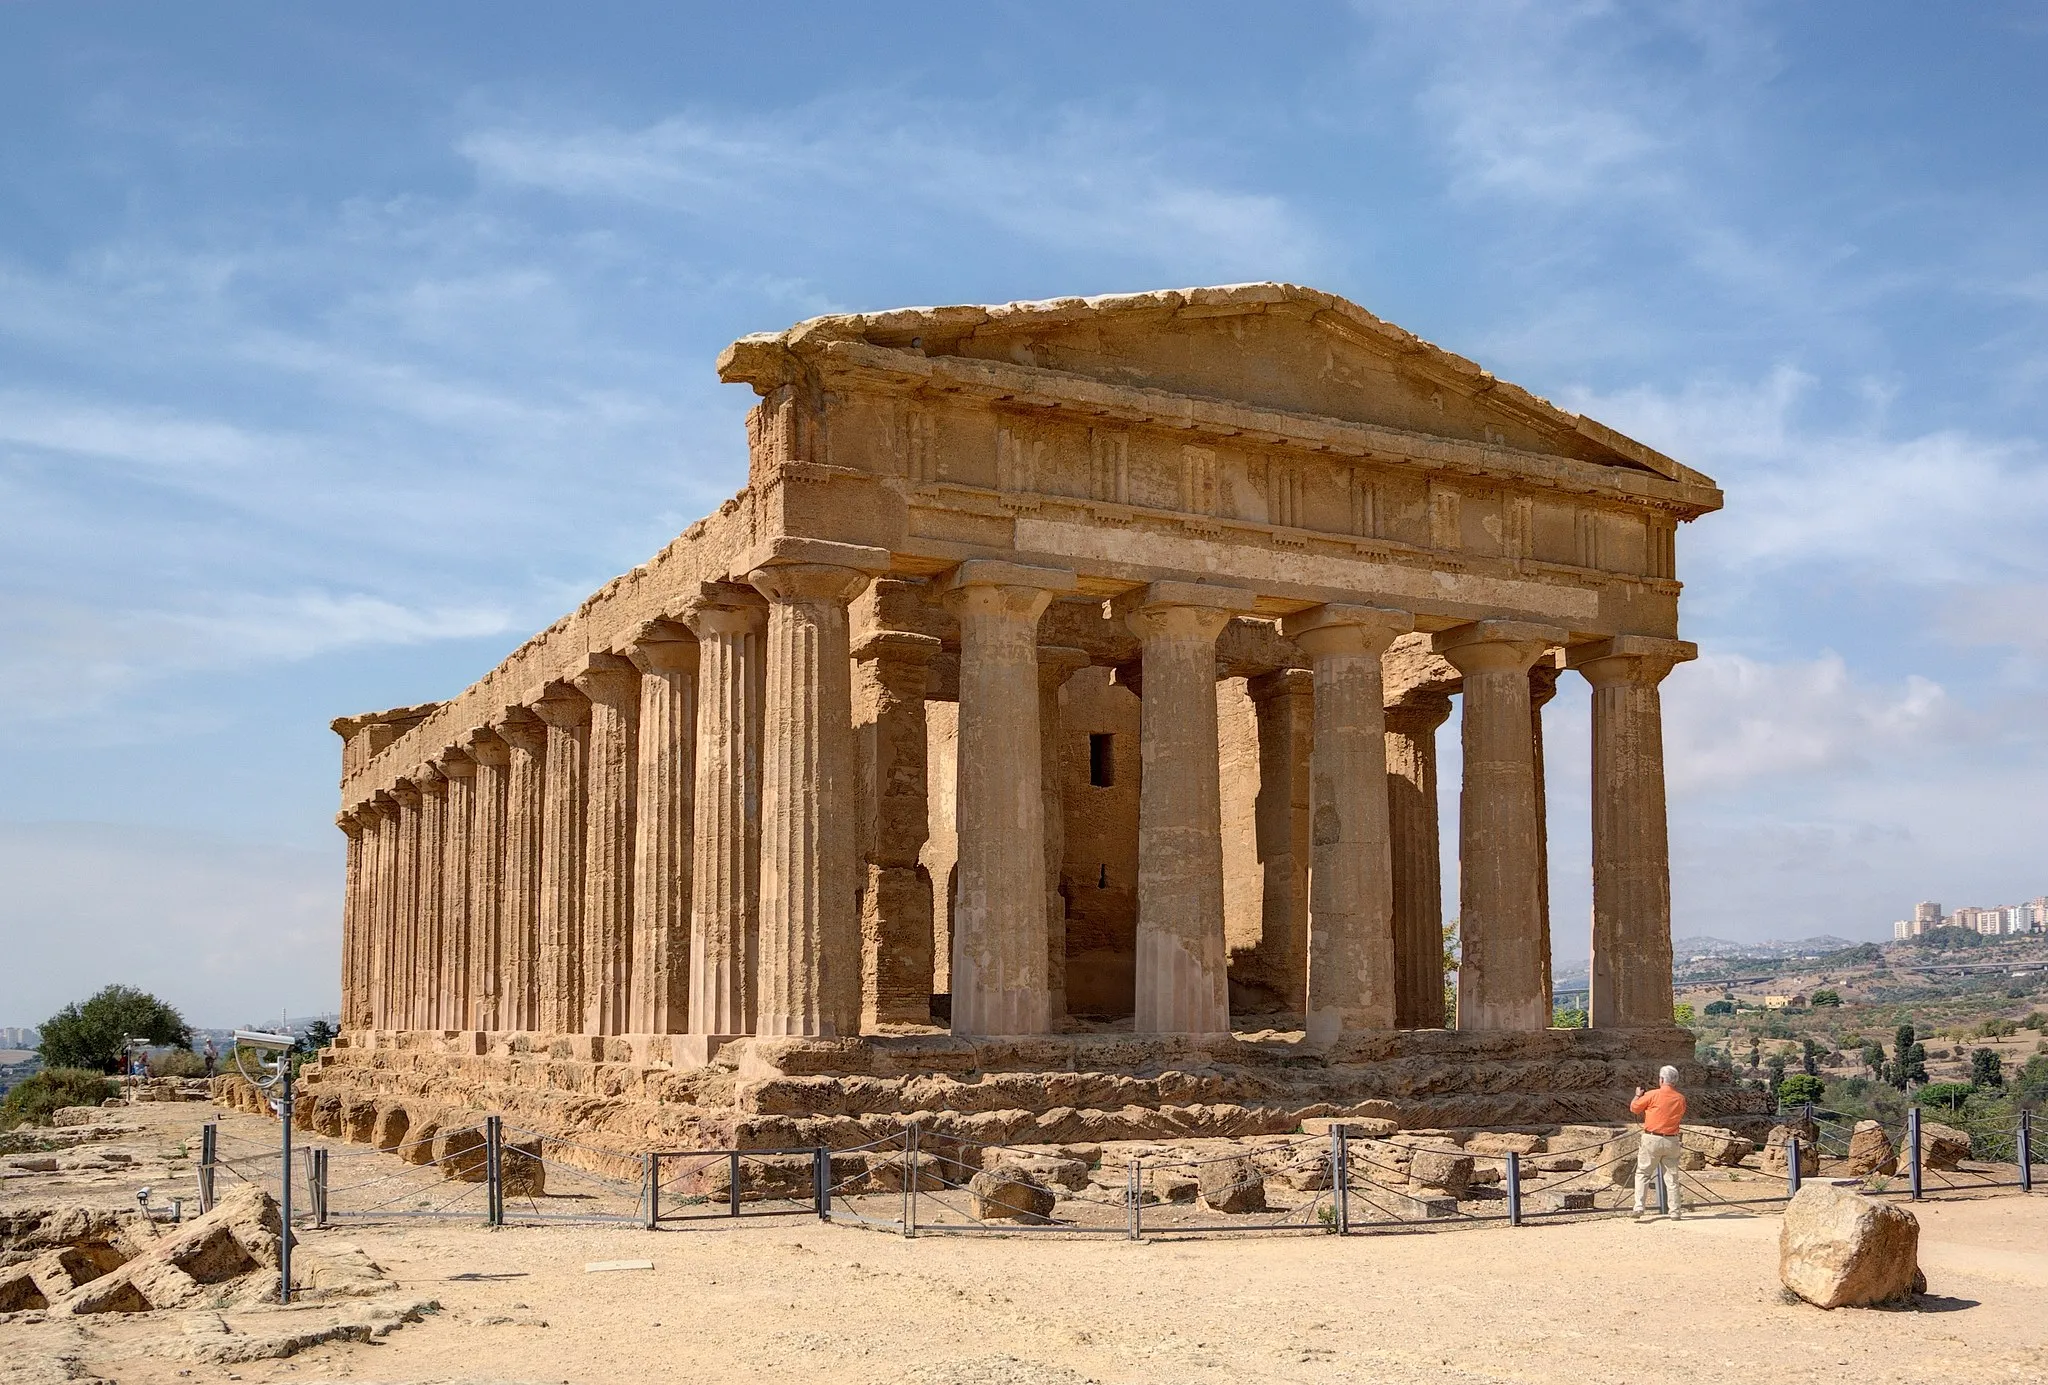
(1062, 664)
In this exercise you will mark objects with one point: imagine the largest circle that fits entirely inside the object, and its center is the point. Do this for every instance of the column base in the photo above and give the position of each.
(697, 1050)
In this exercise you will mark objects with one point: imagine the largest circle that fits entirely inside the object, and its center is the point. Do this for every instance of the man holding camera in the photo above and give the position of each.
(1663, 1111)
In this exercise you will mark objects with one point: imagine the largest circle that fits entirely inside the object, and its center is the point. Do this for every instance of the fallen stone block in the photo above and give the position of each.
(1566, 1200)
(212, 1256)
(393, 1121)
(1495, 1142)
(462, 1154)
(1775, 1161)
(1870, 1151)
(66, 1116)
(1719, 1147)
(41, 1165)
(1234, 1186)
(1174, 1184)
(1942, 1147)
(1050, 1170)
(1355, 1127)
(1838, 1248)
(1557, 1163)
(1439, 1171)
(1007, 1196)
(19, 1291)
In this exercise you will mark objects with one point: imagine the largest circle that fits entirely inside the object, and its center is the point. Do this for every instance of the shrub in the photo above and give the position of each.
(33, 1099)
(1720, 1007)
(1799, 1089)
(1681, 1013)
(1986, 1070)
(1948, 1096)
(179, 1062)
(90, 1033)
(1996, 1028)
(1827, 998)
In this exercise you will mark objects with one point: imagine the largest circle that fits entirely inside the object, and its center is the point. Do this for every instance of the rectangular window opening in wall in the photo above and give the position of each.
(1102, 759)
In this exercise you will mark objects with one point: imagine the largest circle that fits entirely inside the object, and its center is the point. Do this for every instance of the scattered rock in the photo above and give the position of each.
(1355, 1127)
(1494, 1142)
(1775, 1161)
(1870, 1151)
(1838, 1248)
(19, 1291)
(1309, 1172)
(1047, 1169)
(1721, 1148)
(65, 1116)
(1566, 1200)
(1010, 1196)
(1174, 1184)
(1445, 1171)
(41, 1165)
(1234, 1186)
(1942, 1146)
(1557, 1163)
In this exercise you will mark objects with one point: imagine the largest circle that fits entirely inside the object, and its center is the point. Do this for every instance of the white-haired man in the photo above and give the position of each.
(1663, 1112)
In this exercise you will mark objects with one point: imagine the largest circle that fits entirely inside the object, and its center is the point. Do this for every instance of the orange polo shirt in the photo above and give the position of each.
(1662, 1109)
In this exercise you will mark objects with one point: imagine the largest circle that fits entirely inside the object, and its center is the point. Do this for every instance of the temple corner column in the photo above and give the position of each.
(1056, 664)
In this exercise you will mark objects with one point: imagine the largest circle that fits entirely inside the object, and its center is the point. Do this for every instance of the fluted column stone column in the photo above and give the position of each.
(1501, 985)
(1351, 973)
(352, 930)
(999, 917)
(1631, 970)
(808, 970)
(1056, 664)
(665, 653)
(1183, 960)
(894, 667)
(433, 787)
(612, 749)
(493, 758)
(1284, 703)
(405, 967)
(1416, 837)
(728, 621)
(526, 739)
(384, 940)
(1542, 688)
(559, 967)
(454, 963)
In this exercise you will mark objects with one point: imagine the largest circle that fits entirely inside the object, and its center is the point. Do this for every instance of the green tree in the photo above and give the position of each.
(1809, 1056)
(1873, 1056)
(1567, 1018)
(91, 1033)
(1799, 1089)
(1776, 1068)
(1915, 1065)
(318, 1035)
(1682, 1013)
(1946, 1096)
(1986, 1069)
(1826, 997)
(1720, 1007)
(1450, 974)
(1755, 1052)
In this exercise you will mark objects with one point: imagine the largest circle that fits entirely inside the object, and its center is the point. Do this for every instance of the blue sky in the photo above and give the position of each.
(341, 347)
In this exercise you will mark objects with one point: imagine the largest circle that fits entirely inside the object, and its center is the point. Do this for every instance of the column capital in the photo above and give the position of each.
(487, 747)
(1491, 646)
(406, 793)
(1339, 628)
(1281, 682)
(563, 706)
(519, 728)
(724, 608)
(993, 572)
(786, 550)
(349, 822)
(607, 678)
(790, 583)
(431, 781)
(898, 646)
(1418, 713)
(456, 763)
(1642, 659)
(662, 646)
(1057, 663)
(1192, 609)
(383, 803)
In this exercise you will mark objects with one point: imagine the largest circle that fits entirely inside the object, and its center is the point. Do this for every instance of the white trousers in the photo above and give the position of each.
(1659, 1154)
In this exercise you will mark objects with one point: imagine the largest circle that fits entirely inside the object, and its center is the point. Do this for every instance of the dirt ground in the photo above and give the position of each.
(796, 1300)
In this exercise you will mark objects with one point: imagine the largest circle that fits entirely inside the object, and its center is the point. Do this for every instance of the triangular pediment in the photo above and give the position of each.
(1276, 346)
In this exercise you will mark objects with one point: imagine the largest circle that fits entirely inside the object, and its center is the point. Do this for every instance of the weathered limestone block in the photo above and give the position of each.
(19, 1291)
(1233, 1186)
(1308, 1171)
(461, 1154)
(1566, 1200)
(1838, 1248)
(1494, 1142)
(1721, 1148)
(1775, 1161)
(1050, 1170)
(1173, 1183)
(65, 1117)
(1870, 1151)
(393, 1121)
(1444, 1171)
(359, 1120)
(1010, 1195)
(1942, 1147)
(327, 1116)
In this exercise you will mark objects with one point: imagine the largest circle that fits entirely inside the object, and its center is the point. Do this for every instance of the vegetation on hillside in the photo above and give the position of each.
(93, 1033)
(33, 1100)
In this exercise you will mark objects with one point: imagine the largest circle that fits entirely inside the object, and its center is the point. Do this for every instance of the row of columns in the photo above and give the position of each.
(665, 840)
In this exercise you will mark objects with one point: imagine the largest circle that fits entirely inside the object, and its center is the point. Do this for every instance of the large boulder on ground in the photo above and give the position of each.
(327, 1117)
(1721, 1148)
(520, 1170)
(1942, 1146)
(19, 1291)
(1049, 1169)
(1776, 1160)
(461, 1154)
(1173, 1183)
(1446, 1171)
(359, 1120)
(393, 1121)
(1233, 1185)
(1009, 1195)
(418, 1145)
(1839, 1249)
(1870, 1151)
(1308, 1171)
(1497, 1142)
(66, 1116)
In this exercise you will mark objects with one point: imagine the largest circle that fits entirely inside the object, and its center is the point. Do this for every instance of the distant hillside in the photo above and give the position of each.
(1683, 948)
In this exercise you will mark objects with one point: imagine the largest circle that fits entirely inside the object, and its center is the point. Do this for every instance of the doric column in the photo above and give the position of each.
(433, 787)
(1182, 962)
(726, 838)
(1542, 688)
(457, 932)
(663, 823)
(1415, 832)
(493, 757)
(1351, 976)
(559, 966)
(1631, 971)
(1500, 911)
(526, 739)
(384, 913)
(808, 970)
(1284, 702)
(999, 922)
(896, 900)
(405, 916)
(1056, 664)
(352, 930)
(610, 797)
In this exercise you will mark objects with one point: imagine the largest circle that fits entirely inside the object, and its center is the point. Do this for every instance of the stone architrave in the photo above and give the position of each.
(456, 938)
(663, 824)
(808, 969)
(1284, 703)
(427, 953)
(526, 738)
(728, 621)
(611, 771)
(384, 912)
(564, 814)
(1182, 978)
(403, 977)
(1417, 858)
(999, 917)
(1500, 980)
(493, 757)
(1056, 664)
(896, 901)
(352, 930)
(1630, 978)
(1351, 970)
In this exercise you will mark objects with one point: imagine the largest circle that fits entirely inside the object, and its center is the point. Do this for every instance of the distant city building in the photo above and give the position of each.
(1903, 930)
(19, 1037)
(1926, 915)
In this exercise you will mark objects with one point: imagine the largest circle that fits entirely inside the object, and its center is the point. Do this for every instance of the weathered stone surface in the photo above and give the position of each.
(66, 1116)
(1439, 1170)
(19, 1291)
(1173, 1183)
(1047, 1169)
(1838, 1248)
(1233, 1185)
(1775, 1162)
(1942, 1147)
(1008, 1195)
(1566, 1200)
(1870, 1151)
(1492, 1142)
(1721, 1148)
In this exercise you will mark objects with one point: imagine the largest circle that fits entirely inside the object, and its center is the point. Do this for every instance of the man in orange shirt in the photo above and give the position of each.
(1662, 1110)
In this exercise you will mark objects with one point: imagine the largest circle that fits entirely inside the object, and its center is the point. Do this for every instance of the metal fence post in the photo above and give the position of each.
(910, 1184)
(1792, 1158)
(650, 1177)
(2024, 1141)
(1515, 1188)
(821, 1179)
(494, 1171)
(732, 1184)
(316, 1186)
(1913, 1149)
(1134, 1195)
(209, 1152)
(1340, 1178)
